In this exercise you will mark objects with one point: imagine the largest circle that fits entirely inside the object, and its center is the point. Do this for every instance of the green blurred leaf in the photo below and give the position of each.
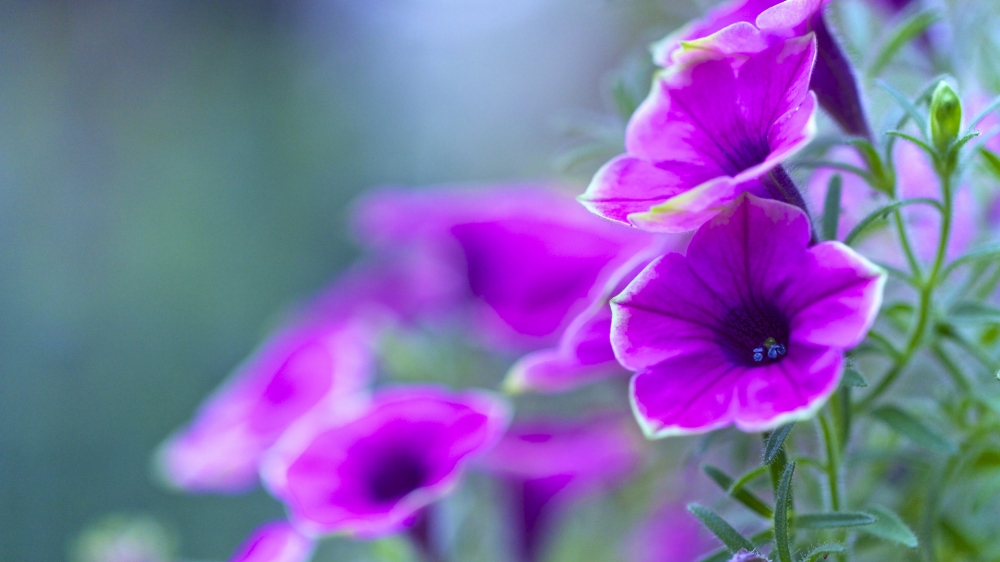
(907, 105)
(729, 536)
(833, 520)
(883, 212)
(742, 495)
(821, 550)
(991, 160)
(900, 36)
(853, 378)
(975, 310)
(831, 207)
(890, 527)
(911, 427)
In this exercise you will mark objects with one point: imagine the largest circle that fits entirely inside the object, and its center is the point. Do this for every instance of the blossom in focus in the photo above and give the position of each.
(275, 542)
(747, 26)
(519, 263)
(370, 476)
(749, 328)
(306, 369)
(671, 534)
(710, 129)
(544, 464)
(915, 177)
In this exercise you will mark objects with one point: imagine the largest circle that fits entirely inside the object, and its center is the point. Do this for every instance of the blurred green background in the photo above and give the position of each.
(173, 173)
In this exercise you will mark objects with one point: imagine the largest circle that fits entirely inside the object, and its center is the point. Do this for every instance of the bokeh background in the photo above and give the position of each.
(175, 172)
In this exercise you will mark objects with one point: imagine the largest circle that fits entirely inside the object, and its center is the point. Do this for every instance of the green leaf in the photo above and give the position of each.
(883, 212)
(723, 555)
(833, 520)
(831, 208)
(853, 378)
(821, 550)
(900, 36)
(625, 101)
(782, 503)
(992, 161)
(909, 426)
(907, 105)
(975, 310)
(774, 441)
(740, 494)
(926, 147)
(729, 536)
(890, 527)
(984, 114)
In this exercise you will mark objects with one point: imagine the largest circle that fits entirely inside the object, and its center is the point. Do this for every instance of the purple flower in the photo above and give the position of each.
(304, 369)
(518, 262)
(710, 129)
(746, 26)
(672, 534)
(370, 476)
(275, 542)
(915, 177)
(749, 328)
(544, 464)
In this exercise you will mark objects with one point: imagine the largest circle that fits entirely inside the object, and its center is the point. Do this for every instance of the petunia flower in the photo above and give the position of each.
(546, 464)
(745, 26)
(584, 353)
(311, 368)
(748, 329)
(371, 476)
(516, 263)
(275, 542)
(671, 534)
(915, 177)
(710, 129)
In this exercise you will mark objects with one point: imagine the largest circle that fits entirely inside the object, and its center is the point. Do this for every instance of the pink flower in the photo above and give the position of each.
(519, 262)
(312, 368)
(711, 128)
(749, 328)
(370, 476)
(545, 464)
(275, 542)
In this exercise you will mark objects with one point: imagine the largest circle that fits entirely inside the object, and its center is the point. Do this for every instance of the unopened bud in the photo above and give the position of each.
(946, 116)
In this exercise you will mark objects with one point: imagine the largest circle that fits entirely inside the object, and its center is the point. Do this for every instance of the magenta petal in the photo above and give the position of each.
(715, 20)
(627, 185)
(748, 329)
(275, 542)
(370, 476)
(303, 369)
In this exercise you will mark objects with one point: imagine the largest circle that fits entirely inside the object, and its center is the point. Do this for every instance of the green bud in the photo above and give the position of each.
(946, 116)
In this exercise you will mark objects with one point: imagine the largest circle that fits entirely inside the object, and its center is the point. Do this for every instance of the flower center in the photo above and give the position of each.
(744, 154)
(753, 334)
(396, 475)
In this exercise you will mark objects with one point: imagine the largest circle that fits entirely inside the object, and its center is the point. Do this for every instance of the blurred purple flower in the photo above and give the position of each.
(710, 129)
(370, 476)
(310, 368)
(747, 26)
(749, 328)
(545, 464)
(275, 542)
(520, 261)
(672, 534)
(915, 177)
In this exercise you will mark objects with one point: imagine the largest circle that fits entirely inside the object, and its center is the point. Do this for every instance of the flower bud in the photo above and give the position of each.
(946, 116)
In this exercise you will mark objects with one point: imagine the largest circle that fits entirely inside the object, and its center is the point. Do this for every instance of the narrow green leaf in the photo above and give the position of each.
(992, 161)
(740, 494)
(723, 555)
(782, 503)
(853, 378)
(907, 105)
(884, 211)
(900, 36)
(987, 251)
(729, 536)
(831, 208)
(909, 426)
(625, 101)
(975, 310)
(821, 550)
(923, 145)
(746, 479)
(833, 520)
(890, 527)
(775, 440)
